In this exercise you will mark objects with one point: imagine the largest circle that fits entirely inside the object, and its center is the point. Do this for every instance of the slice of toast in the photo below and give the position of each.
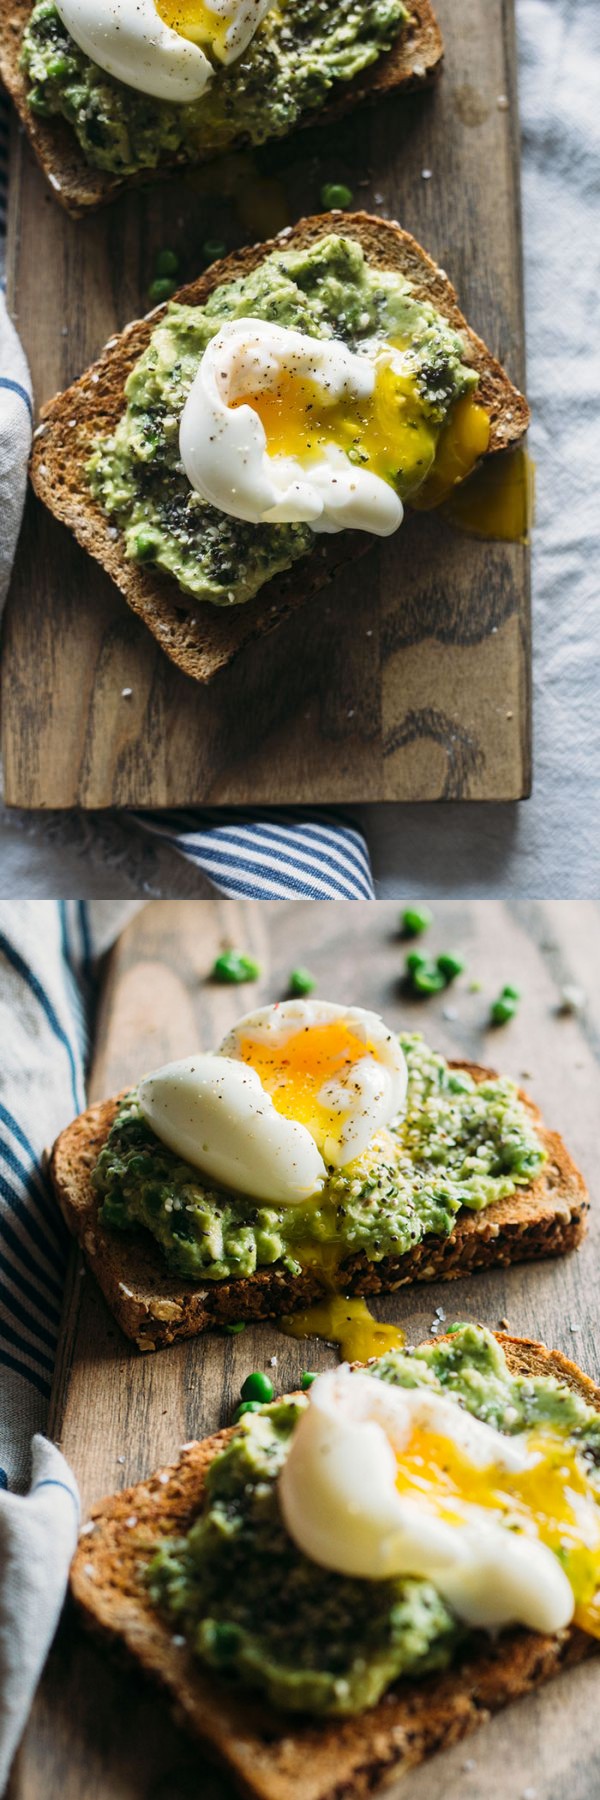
(199, 637)
(154, 1307)
(413, 62)
(277, 1756)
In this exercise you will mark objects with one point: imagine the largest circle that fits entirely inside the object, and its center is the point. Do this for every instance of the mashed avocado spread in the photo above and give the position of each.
(299, 53)
(326, 290)
(457, 1144)
(253, 1607)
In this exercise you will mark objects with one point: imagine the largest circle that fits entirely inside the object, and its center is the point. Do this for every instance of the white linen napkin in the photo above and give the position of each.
(38, 1535)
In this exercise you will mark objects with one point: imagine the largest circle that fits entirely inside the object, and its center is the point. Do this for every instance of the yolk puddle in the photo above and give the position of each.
(193, 20)
(386, 433)
(462, 441)
(498, 500)
(553, 1495)
(349, 1323)
(295, 1071)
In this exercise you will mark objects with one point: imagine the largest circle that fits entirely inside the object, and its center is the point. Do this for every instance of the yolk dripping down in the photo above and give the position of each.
(193, 20)
(388, 433)
(554, 1497)
(294, 1072)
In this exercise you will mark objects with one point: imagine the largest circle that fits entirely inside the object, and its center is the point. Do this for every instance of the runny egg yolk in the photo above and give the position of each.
(388, 433)
(295, 1071)
(462, 441)
(193, 20)
(553, 1498)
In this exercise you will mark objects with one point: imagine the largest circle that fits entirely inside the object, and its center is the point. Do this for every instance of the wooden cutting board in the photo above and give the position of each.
(409, 678)
(98, 1732)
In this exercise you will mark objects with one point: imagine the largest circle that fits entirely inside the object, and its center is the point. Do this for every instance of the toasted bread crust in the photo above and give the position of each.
(279, 1756)
(412, 63)
(199, 637)
(154, 1307)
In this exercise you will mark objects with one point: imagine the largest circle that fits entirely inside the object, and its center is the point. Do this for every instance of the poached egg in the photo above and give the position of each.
(165, 48)
(279, 427)
(294, 1090)
(382, 1481)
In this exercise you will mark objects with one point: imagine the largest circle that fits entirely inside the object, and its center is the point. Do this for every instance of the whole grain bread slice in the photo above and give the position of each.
(199, 637)
(413, 62)
(154, 1307)
(273, 1756)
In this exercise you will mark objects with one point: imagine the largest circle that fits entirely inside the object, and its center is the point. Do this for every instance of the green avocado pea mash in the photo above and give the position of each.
(299, 53)
(326, 290)
(457, 1144)
(253, 1607)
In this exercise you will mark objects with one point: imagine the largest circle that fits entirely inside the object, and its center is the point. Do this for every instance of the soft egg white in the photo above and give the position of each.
(214, 1113)
(223, 442)
(341, 1505)
(337, 1069)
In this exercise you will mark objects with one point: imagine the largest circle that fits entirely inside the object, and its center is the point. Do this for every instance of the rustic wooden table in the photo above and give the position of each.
(97, 1733)
(408, 679)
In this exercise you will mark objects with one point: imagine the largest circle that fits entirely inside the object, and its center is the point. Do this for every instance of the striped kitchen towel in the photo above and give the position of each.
(48, 950)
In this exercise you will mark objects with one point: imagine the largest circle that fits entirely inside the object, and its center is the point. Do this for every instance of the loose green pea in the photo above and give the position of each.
(307, 1379)
(257, 1387)
(511, 993)
(212, 249)
(301, 982)
(416, 919)
(161, 289)
(233, 1329)
(233, 966)
(502, 1010)
(450, 964)
(166, 262)
(335, 193)
(428, 980)
(246, 1407)
(415, 960)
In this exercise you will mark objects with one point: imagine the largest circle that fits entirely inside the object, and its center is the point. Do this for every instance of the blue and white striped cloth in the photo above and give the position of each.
(278, 856)
(47, 952)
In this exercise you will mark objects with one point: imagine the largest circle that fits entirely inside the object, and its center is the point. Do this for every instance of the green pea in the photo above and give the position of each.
(257, 1387)
(233, 966)
(511, 993)
(428, 980)
(502, 1010)
(212, 249)
(459, 1084)
(335, 193)
(246, 1407)
(166, 262)
(233, 1329)
(416, 919)
(307, 1378)
(301, 982)
(415, 960)
(161, 289)
(450, 965)
(58, 65)
(145, 544)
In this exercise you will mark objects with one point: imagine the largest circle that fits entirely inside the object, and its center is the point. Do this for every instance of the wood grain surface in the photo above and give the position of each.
(98, 1733)
(406, 679)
